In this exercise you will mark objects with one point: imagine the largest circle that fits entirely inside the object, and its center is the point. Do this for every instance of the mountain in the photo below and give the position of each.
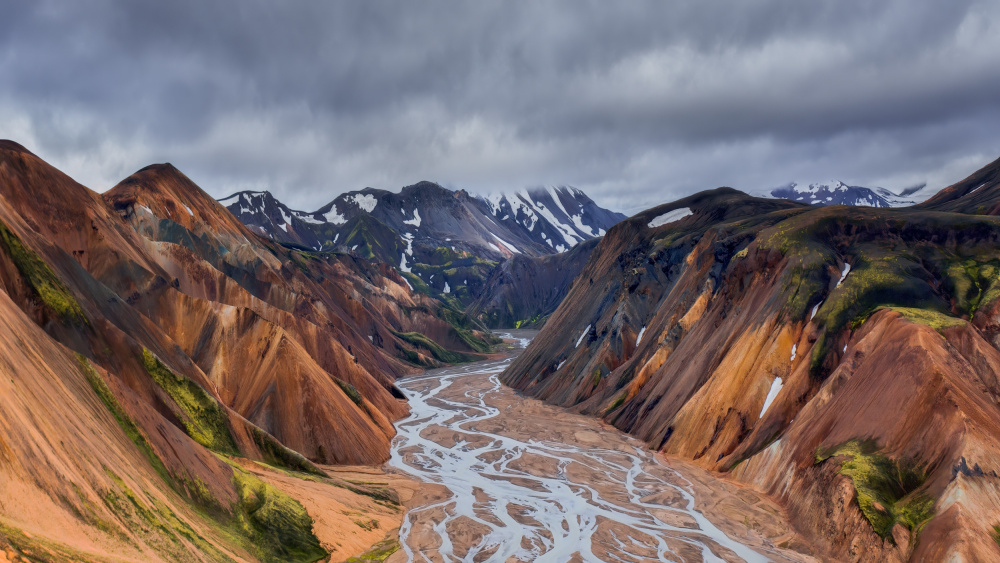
(843, 359)
(979, 194)
(173, 382)
(443, 242)
(839, 193)
(523, 291)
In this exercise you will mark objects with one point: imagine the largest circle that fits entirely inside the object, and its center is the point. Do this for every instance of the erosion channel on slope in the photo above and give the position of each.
(510, 479)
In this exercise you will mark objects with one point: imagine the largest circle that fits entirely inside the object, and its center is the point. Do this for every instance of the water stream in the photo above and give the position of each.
(528, 482)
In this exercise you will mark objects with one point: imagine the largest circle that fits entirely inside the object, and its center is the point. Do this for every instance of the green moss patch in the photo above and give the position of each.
(447, 356)
(379, 552)
(277, 454)
(204, 419)
(886, 489)
(51, 291)
(937, 321)
(351, 391)
(127, 424)
(41, 550)
(996, 534)
(278, 527)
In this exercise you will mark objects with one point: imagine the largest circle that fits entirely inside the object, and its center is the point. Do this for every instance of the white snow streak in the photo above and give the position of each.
(670, 217)
(775, 389)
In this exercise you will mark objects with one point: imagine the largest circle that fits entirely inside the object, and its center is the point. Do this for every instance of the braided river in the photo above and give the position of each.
(509, 479)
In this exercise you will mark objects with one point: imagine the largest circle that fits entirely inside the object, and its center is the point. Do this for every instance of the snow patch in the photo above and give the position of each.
(332, 216)
(794, 348)
(367, 202)
(775, 389)
(638, 338)
(416, 219)
(579, 340)
(509, 246)
(815, 308)
(847, 270)
(670, 217)
(191, 213)
(447, 288)
(402, 263)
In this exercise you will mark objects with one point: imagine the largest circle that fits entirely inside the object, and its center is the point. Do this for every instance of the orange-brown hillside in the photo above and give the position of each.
(153, 348)
(843, 359)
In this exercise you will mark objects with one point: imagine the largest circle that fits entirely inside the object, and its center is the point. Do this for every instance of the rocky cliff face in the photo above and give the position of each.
(843, 359)
(156, 353)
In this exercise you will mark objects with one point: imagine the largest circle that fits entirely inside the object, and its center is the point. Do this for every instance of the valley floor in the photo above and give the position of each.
(511, 479)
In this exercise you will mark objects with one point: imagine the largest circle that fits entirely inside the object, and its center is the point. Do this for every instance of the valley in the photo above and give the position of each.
(511, 479)
(723, 377)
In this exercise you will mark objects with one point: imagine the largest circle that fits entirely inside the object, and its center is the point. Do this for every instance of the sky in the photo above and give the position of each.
(635, 102)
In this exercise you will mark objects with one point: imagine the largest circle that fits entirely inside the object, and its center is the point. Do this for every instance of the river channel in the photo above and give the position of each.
(510, 479)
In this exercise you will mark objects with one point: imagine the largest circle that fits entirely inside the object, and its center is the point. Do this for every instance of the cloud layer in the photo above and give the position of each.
(635, 102)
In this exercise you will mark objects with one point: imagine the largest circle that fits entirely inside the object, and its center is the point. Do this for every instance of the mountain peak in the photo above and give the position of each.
(13, 146)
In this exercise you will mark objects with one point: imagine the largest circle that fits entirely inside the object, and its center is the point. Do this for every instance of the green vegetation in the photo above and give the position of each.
(996, 534)
(619, 400)
(154, 521)
(52, 292)
(278, 527)
(127, 424)
(421, 341)
(904, 260)
(937, 321)
(40, 550)
(350, 391)
(203, 418)
(379, 552)
(275, 453)
(885, 488)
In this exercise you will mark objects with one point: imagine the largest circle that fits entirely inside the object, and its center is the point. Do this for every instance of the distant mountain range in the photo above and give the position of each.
(839, 193)
(444, 242)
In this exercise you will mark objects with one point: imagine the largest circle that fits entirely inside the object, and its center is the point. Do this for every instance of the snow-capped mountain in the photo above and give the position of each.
(839, 193)
(447, 240)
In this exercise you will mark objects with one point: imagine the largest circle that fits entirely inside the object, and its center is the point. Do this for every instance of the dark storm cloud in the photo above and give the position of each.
(635, 102)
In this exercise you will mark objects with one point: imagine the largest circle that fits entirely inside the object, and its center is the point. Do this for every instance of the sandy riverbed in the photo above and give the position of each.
(507, 478)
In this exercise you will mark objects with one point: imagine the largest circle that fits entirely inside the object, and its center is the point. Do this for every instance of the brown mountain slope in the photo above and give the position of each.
(978, 194)
(202, 345)
(758, 356)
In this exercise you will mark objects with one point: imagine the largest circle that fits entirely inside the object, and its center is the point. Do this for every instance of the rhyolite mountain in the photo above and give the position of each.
(843, 359)
(172, 380)
(839, 193)
(444, 242)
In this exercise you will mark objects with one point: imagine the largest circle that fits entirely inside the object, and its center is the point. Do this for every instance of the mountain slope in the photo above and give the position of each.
(978, 194)
(794, 347)
(208, 351)
(523, 291)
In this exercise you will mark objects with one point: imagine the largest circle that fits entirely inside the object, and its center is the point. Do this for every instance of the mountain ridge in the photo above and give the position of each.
(787, 345)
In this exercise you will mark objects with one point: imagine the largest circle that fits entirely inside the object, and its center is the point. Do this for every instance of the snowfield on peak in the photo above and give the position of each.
(670, 217)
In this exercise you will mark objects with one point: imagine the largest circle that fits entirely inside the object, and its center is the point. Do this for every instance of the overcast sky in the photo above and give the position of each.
(636, 103)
